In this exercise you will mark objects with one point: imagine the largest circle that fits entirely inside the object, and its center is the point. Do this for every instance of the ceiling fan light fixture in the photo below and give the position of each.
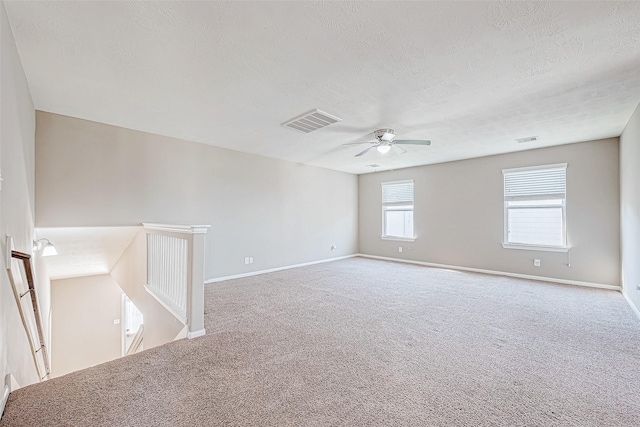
(385, 141)
(387, 136)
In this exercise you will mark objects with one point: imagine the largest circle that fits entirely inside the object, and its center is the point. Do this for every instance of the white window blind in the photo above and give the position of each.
(394, 193)
(397, 210)
(535, 206)
(540, 183)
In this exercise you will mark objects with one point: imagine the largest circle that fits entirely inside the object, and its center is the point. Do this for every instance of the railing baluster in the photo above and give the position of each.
(172, 252)
(167, 269)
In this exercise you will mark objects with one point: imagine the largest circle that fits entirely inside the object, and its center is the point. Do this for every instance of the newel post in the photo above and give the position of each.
(195, 289)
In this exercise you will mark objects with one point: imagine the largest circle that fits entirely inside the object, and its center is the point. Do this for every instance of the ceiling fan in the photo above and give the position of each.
(385, 140)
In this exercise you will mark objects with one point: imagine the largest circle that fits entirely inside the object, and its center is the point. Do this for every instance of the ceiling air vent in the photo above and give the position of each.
(527, 139)
(313, 120)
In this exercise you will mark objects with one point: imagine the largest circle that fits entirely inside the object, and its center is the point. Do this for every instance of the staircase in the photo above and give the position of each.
(161, 270)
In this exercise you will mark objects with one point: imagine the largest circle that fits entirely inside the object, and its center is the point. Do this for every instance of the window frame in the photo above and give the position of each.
(386, 206)
(564, 247)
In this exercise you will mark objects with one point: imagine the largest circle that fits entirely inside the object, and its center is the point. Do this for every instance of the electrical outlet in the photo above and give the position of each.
(333, 247)
(536, 262)
(250, 260)
(116, 321)
(399, 248)
(246, 260)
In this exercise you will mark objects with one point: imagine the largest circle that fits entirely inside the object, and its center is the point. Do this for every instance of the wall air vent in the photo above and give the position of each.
(310, 121)
(527, 139)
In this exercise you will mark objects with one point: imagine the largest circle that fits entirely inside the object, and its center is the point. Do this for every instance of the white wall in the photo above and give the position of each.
(280, 213)
(459, 214)
(630, 207)
(17, 124)
(83, 332)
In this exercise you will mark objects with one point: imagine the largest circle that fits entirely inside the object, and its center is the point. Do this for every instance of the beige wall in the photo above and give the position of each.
(459, 214)
(84, 308)
(160, 326)
(280, 213)
(83, 333)
(16, 199)
(630, 207)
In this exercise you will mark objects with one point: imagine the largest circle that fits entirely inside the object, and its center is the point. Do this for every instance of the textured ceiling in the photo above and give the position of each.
(470, 76)
(85, 251)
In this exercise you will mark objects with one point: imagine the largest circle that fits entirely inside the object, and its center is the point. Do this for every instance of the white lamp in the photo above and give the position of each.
(383, 148)
(49, 249)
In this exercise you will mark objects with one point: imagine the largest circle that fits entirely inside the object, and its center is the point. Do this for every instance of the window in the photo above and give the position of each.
(535, 208)
(397, 210)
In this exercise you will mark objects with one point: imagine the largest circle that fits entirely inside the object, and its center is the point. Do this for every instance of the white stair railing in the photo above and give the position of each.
(175, 271)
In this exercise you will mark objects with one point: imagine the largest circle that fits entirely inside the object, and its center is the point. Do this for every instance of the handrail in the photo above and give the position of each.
(26, 261)
(136, 342)
(25, 324)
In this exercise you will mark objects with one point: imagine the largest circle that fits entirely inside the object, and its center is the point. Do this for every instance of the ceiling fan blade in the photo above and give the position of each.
(360, 142)
(365, 151)
(412, 141)
(398, 148)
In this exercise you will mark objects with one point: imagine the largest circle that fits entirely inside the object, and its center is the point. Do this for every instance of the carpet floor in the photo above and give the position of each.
(361, 342)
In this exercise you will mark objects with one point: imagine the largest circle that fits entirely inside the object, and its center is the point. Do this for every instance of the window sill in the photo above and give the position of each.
(535, 247)
(399, 239)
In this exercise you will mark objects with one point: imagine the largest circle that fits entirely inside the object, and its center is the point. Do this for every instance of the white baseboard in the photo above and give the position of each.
(6, 389)
(271, 270)
(498, 273)
(631, 304)
(196, 334)
(428, 264)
